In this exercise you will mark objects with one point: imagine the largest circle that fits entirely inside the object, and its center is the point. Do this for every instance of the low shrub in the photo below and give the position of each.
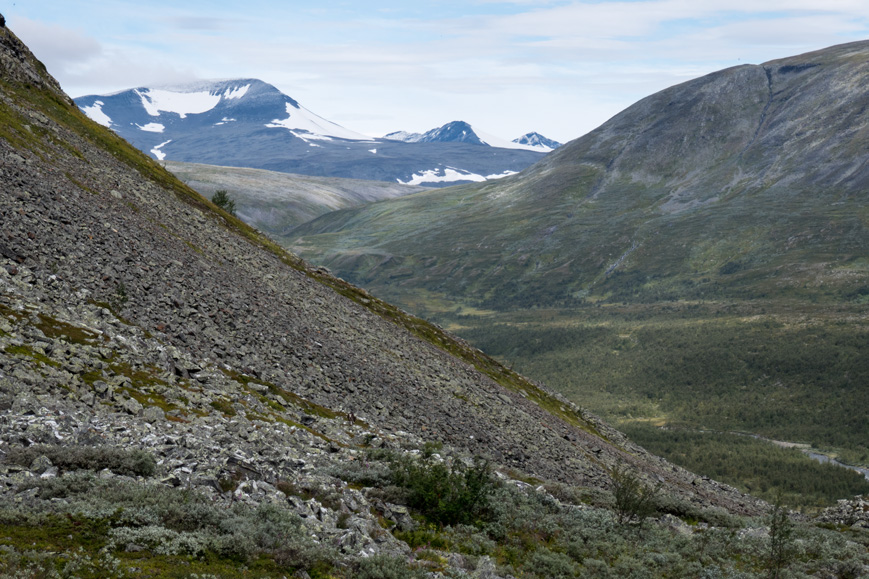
(386, 567)
(372, 472)
(328, 497)
(445, 494)
(171, 521)
(428, 537)
(76, 563)
(634, 500)
(222, 199)
(131, 462)
(553, 565)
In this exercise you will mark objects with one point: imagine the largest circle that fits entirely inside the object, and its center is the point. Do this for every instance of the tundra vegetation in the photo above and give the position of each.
(128, 449)
(687, 381)
(465, 520)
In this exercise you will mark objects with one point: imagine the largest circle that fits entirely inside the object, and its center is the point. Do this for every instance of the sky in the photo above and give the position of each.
(557, 67)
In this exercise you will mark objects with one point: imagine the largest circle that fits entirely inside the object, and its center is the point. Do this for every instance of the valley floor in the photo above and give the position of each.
(781, 371)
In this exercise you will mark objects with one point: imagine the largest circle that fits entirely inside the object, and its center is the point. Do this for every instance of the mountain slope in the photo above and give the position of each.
(706, 188)
(713, 237)
(90, 221)
(160, 367)
(249, 123)
(107, 256)
(275, 202)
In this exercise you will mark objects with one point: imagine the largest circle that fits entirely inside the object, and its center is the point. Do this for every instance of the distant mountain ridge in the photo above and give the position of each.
(249, 123)
(538, 141)
(462, 132)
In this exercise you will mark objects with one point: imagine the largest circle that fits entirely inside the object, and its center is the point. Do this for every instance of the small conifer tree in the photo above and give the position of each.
(222, 199)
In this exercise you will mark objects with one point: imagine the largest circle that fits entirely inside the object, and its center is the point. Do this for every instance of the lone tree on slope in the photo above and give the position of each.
(221, 199)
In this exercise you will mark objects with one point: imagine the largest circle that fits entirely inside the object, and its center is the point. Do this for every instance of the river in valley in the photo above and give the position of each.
(808, 451)
(824, 458)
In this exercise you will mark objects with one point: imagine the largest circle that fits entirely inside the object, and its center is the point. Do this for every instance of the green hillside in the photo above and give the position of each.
(701, 259)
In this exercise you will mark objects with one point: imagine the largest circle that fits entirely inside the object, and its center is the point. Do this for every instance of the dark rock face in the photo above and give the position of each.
(456, 131)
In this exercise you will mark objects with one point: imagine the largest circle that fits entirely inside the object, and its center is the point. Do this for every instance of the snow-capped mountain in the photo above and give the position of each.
(249, 123)
(462, 132)
(537, 141)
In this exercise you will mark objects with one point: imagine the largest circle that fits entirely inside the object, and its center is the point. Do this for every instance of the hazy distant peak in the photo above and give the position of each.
(538, 141)
(463, 132)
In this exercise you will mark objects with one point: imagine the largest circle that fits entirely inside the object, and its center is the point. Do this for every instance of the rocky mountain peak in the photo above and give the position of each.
(455, 131)
(535, 139)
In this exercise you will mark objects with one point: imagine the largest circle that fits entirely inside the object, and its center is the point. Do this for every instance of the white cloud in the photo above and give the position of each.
(54, 43)
(83, 65)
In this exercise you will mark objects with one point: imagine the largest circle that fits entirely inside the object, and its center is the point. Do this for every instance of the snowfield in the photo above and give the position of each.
(96, 114)
(301, 119)
(450, 175)
(185, 103)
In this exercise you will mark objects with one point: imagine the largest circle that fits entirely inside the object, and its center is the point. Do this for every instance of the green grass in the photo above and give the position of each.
(224, 406)
(28, 352)
(56, 329)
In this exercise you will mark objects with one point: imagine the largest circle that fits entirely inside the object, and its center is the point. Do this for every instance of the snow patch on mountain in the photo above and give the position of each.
(160, 155)
(236, 93)
(156, 101)
(450, 175)
(305, 136)
(152, 127)
(404, 136)
(301, 119)
(441, 176)
(501, 175)
(96, 114)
